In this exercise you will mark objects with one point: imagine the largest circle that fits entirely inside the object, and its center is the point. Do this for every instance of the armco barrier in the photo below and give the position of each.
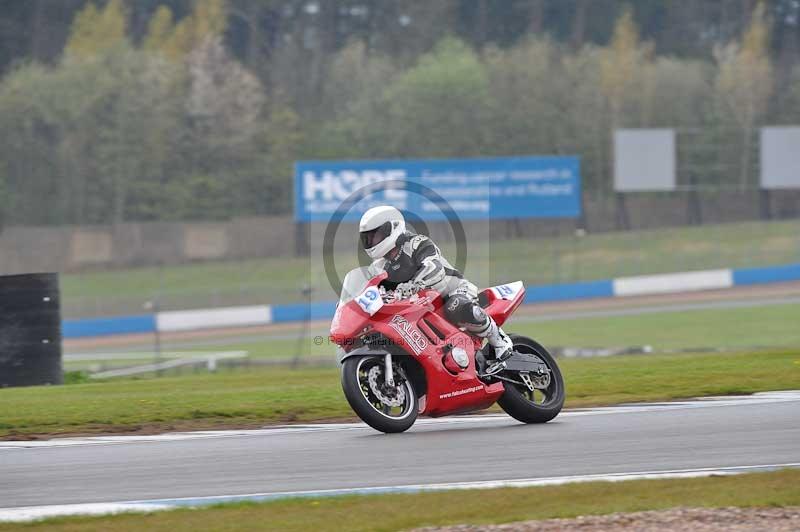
(266, 314)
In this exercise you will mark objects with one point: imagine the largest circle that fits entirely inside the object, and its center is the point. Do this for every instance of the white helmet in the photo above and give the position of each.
(380, 227)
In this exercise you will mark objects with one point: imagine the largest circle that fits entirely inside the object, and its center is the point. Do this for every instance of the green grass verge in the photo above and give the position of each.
(773, 326)
(260, 396)
(731, 328)
(535, 261)
(400, 512)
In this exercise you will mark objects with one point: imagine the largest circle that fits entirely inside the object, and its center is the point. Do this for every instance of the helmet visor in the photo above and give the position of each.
(370, 239)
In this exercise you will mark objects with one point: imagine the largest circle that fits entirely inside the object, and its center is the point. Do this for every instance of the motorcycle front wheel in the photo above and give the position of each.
(385, 408)
(543, 403)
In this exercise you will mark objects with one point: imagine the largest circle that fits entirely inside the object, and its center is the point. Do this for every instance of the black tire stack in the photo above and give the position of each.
(30, 330)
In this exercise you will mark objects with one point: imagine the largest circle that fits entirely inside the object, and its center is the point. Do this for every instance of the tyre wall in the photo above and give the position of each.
(30, 330)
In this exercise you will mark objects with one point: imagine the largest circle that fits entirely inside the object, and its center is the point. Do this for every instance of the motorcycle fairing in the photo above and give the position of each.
(447, 391)
(501, 301)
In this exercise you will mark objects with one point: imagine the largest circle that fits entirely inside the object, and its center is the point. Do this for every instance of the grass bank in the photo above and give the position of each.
(535, 261)
(771, 327)
(253, 397)
(401, 512)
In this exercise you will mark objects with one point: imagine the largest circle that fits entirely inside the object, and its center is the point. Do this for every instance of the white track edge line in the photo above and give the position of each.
(33, 513)
(635, 408)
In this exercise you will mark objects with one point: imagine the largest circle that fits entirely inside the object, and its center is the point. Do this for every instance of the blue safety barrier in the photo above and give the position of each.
(303, 311)
(565, 292)
(84, 328)
(89, 327)
(769, 274)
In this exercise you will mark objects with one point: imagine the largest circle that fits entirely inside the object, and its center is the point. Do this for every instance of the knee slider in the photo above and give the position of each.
(462, 310)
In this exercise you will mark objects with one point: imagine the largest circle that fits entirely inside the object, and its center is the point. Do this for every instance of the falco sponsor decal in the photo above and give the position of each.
(410, 334)
(460, 392)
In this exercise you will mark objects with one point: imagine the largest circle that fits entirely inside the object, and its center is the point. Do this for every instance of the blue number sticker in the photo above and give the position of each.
(508, 291)
(370, 300)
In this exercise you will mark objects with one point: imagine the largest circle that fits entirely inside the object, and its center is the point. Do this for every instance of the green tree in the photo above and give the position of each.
(159, 30)
(622, 64)
(264, 185)
(224, 102)
(222, 113)
(744, 84)
(436, 108)
(790, 111)
(207, 22)
(357, 77)
(85, 134)
(524, 89)
(94, 31)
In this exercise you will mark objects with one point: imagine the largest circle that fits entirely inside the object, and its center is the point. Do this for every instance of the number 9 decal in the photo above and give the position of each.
(370, 300)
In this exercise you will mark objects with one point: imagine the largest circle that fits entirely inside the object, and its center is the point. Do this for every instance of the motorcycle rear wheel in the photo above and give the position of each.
(539, 406)
(374, 411)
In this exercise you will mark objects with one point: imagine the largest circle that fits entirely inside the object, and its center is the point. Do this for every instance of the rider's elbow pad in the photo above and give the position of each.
(432, 272)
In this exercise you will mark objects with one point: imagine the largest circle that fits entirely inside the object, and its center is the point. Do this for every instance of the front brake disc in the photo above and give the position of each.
(396, 395)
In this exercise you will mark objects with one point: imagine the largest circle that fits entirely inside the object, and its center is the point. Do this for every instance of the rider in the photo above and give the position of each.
(413, 262)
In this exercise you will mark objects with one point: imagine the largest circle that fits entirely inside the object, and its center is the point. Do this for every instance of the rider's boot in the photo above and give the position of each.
(499, 341)
(467, 313)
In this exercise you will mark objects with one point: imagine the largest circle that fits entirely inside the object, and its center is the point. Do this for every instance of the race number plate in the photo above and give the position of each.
(370, 300)
(507, 291)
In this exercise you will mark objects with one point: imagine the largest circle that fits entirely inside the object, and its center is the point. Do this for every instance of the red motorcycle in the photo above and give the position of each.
(401, 358)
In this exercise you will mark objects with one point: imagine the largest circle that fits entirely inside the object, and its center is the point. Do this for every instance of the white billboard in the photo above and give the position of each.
(780, 157)
(644, 160)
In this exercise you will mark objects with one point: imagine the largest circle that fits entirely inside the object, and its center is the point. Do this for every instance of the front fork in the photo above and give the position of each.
(389, 374)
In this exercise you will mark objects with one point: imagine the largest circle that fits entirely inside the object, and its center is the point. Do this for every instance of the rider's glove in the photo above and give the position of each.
(406, 290)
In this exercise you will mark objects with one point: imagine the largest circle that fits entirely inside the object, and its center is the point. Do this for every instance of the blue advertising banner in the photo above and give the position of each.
(511, 187)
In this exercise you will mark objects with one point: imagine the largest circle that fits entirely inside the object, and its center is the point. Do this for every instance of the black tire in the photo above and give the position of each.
(359, 397)
(519, 403)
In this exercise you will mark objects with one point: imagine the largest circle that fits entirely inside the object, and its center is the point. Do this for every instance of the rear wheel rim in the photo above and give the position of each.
(395, 413)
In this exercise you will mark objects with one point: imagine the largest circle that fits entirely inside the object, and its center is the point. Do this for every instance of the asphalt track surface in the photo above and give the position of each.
(638, 441)
(708, 433)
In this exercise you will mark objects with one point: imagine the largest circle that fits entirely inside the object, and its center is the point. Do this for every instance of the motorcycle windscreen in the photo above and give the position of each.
(354, 283)
(347, 319)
